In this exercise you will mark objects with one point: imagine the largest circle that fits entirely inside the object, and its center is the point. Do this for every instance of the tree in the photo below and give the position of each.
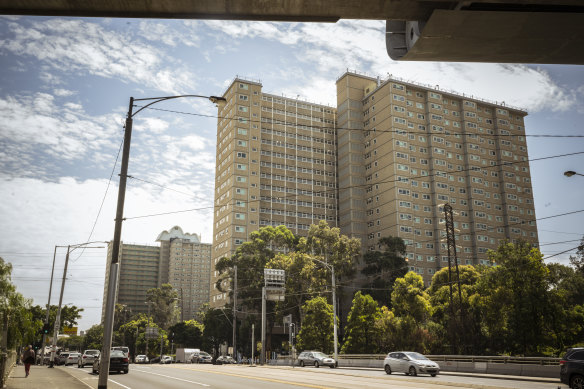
(133, 335)
(188, 333)
(361, 336)
(457, 320)
(217, 328)
(15, 310)
(163, 309)
(410, 299)
(69, 315)
(317, 330)
(93, 338)
(514, 299)
(382, 268)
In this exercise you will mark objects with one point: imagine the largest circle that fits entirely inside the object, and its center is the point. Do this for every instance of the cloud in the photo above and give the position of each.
(38, 129)
(360, 45)
(165, 32)
(59, 204)
(79, 47)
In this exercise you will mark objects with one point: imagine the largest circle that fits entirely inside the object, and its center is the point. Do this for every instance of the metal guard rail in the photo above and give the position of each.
(467, 358)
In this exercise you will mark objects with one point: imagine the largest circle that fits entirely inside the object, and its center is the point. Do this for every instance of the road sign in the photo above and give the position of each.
(151, 332)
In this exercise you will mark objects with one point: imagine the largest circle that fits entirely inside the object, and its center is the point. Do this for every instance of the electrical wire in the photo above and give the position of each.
(360, 129)
(102, 201)
(353, 186)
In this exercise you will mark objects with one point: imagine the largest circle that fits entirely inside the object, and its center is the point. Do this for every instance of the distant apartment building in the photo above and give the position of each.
(384, 162)
(185, 263)
(138, 272)
(181, 260)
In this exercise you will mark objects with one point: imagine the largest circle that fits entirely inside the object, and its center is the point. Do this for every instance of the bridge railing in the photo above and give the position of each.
(467, 358)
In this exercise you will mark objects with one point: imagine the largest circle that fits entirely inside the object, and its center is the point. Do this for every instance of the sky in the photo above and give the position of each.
(65, 85)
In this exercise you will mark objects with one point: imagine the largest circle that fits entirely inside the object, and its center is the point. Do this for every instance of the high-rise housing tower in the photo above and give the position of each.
(405, 150)
(181, 260)
(276, 165)
(186, 265)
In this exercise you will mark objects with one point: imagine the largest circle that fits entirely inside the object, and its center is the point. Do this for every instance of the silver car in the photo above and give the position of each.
(410, 363)
(316, 358)
(88, 357)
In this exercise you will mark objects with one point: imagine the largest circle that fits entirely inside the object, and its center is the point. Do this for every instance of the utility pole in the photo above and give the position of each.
(147, 327)
(252, 343)
(234, 313)
(112, 285)
(111, 288)
(48, 308)
(263, 355)
(58, 317)
(335, 313)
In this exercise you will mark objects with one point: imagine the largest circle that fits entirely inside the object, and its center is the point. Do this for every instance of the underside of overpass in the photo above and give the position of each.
(505, 31)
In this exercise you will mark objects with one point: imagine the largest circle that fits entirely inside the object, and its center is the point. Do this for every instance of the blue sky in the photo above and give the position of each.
(64, 91)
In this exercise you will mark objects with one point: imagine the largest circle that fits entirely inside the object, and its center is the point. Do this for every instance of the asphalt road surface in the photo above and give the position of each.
(179, 376)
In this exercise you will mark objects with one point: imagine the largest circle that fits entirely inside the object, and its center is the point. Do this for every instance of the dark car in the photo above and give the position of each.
(118, 362)
(572, 368)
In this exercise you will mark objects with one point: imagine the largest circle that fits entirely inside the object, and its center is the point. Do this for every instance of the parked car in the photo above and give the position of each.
(410, 363)
(202, 357)
(317, 359)
(124, 349)
(166, 359)
(155, 360)
(225, 360)
(72, 359)
(118, 362)
(88, 357)
(141, 359)
(572, 368)
(61, 359)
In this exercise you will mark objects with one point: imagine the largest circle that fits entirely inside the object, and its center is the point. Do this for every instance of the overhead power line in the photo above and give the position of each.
(360, 129)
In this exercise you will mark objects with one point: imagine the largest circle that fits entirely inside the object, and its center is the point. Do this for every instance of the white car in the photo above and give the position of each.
(166, 359)
(72, 359)
(88, 358)
(141, 359)
(410, 363)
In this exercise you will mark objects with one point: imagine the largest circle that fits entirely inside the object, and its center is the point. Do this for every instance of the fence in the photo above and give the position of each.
(7, 361)
(504, 365)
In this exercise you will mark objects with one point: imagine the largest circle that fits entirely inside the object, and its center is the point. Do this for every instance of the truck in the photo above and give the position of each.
(184, 355)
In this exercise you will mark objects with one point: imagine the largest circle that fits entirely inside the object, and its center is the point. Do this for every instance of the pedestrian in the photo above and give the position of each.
(28, 357)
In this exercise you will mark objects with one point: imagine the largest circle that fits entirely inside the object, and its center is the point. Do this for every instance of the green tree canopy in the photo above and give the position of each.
(317, 329)
(188, 333)
(410, 299)
(360, 332)
(382, 268)
(163, 306)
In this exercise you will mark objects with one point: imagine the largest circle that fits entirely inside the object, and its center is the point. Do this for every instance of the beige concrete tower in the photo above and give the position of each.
(406, 150)
(276, 165)
(188, 269)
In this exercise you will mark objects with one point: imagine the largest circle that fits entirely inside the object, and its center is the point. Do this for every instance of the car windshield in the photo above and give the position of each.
(320, 355)
(92, 352)
(117, 354)
(416, 356)
(204, 354)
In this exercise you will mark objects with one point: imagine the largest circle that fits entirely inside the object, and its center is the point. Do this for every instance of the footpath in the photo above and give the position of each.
(41, 377)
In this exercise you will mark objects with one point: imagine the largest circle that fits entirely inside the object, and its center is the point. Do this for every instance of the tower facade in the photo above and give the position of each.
(406, 150)
(276, 165)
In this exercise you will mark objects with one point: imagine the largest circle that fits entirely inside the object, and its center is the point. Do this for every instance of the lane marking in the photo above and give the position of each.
(79, 379)
(259, 378)
(174, 378)
(117, 383)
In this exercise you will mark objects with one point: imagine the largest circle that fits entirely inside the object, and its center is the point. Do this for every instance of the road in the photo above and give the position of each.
(181, 376)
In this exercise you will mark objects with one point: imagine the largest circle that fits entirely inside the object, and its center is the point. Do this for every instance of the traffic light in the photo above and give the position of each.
(46, 328)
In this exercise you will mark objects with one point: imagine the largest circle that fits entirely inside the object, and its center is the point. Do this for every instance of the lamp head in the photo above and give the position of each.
(569, 173)
(219, 101)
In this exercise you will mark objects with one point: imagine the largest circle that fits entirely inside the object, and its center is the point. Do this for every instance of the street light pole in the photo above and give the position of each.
(58, 317)
(48, 308)
(112, 285)
(332, 269)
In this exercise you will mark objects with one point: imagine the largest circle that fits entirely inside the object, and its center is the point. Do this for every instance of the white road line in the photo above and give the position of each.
(174, 378)
(117, 383)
